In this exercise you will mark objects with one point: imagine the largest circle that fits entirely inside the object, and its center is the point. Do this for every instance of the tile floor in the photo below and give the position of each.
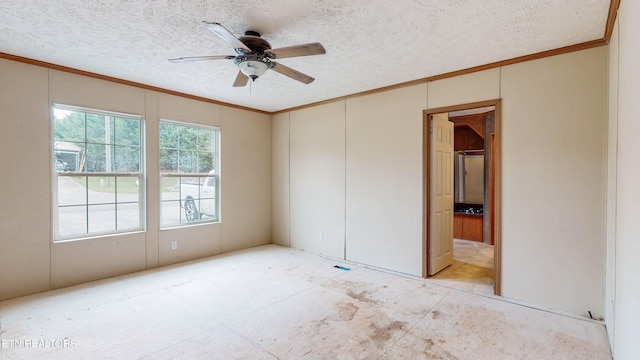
(273, 302)
(472, 268)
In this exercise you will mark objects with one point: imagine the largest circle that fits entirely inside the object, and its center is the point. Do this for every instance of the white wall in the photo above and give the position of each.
(627, 232)
(30, 262)
(553, 195)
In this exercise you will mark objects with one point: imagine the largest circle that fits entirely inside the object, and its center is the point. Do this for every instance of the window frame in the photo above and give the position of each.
(203, 178)
(140, 176)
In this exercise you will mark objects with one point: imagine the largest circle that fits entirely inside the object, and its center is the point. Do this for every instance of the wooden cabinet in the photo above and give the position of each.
(467, 227)
(472, 228)
(457, 226)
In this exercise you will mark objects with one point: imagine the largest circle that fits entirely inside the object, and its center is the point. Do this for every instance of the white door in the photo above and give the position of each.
(441, 194)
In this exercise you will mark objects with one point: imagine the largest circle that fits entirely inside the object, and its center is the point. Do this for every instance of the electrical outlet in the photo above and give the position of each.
(174, 245)
(321, 236)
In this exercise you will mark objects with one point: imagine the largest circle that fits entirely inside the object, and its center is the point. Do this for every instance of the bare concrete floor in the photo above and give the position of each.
(273, 302)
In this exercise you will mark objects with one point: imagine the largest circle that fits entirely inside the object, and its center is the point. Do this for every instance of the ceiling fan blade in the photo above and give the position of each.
(299, 50)
(200, 58)
(226, 35)
(241, 80)
(294, 74)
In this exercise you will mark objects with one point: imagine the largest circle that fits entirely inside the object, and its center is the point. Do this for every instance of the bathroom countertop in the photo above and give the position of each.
(467, 214)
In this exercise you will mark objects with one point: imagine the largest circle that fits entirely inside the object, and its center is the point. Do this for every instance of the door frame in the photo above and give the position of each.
(497, 194)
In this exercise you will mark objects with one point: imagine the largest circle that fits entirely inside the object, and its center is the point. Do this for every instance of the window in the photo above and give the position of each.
(98, 181)
(188, 174)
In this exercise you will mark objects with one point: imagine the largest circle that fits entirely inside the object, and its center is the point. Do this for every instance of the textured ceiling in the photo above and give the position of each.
(370, 43)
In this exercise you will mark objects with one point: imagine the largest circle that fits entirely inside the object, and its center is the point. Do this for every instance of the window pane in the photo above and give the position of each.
(208, 208)
(127, 131)
(72, 190)
(102, 218)
(94, 141)
(68, 125)
(205, 162)
(188, 138)
(169, 136)
(191, 199)
(126, 158)
(99, 129)
(206, 139)
(188, 161)
(171, 213)
(170, 188)
(72, 220)
(129, 216)
(190, 181)
(97, 157)
(168, 160)
(128, 189)
(209, 198)
(102, 190)
(68, 155)
(128, 197)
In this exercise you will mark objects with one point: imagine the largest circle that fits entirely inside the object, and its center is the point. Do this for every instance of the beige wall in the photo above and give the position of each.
(30, 262)
(79, 261)
(193, 241)
(554, 127)
(479, 86)
(321, 176)
(25, 228)
(624, 239)
(246, 179)
(384, 179)
(280, 185)
(612, 173)
(553, 152)
(317, 173)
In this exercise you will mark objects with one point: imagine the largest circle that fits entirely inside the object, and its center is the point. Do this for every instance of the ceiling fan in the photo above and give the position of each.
(255, 55)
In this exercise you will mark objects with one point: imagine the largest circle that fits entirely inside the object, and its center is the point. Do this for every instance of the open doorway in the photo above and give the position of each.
(461, 187)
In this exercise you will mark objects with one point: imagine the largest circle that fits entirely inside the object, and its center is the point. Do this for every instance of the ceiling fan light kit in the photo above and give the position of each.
(252, 68)
(255, 56)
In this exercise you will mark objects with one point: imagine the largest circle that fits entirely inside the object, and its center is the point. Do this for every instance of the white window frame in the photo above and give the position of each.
(139, 175)
(201, 184)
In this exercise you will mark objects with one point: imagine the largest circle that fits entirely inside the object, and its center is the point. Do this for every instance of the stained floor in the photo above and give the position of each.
(273, 302)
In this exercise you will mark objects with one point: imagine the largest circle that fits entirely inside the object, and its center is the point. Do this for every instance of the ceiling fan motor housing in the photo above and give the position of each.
(255, 63)
(254, 42)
